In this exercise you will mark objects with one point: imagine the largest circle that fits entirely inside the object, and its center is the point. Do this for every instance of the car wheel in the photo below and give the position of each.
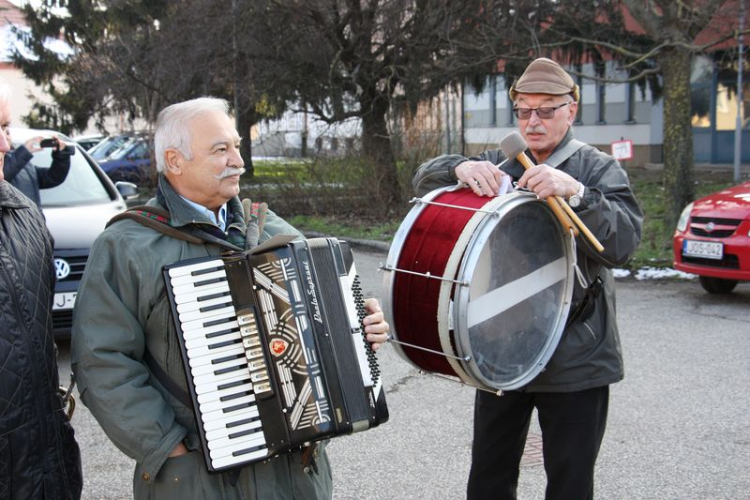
(717, 285)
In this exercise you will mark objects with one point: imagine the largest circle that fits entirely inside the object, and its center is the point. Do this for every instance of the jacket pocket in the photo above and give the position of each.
(179, 478)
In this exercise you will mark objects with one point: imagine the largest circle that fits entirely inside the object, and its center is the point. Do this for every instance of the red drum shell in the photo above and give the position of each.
(430, 242)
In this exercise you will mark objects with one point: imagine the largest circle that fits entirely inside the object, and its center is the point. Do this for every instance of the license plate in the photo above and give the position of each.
(64, 301)
(705, 249)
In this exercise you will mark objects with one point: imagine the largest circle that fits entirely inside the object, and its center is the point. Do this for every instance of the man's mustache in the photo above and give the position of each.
(230, 171)
(536, 129)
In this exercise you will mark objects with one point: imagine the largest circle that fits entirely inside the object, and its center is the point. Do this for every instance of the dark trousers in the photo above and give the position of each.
(572, 431)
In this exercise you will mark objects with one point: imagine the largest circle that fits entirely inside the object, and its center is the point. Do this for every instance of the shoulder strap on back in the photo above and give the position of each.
(156, 218)
(564, 153)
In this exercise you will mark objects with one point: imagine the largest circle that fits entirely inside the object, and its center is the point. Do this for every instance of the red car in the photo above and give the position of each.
(712, 239)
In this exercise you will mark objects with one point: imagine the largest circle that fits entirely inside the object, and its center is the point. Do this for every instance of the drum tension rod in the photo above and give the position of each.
(420, 200)
(426, 275)
(465, 358)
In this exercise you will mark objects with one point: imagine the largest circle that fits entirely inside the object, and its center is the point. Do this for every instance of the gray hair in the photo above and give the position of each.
(173, 126)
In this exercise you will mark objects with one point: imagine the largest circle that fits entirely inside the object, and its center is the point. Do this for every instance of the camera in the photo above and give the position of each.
(48, 143)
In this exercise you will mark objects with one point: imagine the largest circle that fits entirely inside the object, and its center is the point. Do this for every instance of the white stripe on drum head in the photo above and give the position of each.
(503, 298)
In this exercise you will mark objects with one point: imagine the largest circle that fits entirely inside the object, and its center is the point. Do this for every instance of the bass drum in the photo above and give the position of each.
(479, 288)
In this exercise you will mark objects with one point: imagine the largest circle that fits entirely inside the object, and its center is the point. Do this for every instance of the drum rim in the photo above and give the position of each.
(394, 254)
(459, 313)
(447, 318)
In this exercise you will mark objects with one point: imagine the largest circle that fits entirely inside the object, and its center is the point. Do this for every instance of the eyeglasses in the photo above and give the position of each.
(544, 113)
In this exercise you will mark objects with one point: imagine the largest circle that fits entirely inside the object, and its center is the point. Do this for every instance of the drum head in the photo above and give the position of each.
(510, 317)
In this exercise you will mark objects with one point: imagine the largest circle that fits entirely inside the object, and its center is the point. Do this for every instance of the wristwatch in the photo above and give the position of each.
(576, 200)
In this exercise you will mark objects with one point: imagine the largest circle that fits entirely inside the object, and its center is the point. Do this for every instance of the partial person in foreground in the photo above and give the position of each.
(571, 395)
(125, 349)
(39, 457)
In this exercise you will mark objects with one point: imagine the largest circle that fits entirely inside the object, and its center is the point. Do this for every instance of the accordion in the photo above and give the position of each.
(274, 348)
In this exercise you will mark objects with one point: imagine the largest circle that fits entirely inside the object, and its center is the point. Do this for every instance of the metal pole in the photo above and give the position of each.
(740, 97)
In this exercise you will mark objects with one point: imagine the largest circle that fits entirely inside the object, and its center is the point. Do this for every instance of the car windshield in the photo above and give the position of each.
(138, 151)
(81, 187)
(108, 146)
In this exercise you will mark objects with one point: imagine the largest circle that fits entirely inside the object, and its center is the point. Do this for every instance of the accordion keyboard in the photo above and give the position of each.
(219, 363)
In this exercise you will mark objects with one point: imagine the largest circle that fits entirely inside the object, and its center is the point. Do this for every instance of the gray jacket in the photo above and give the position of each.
(589, 353)
(122, 309)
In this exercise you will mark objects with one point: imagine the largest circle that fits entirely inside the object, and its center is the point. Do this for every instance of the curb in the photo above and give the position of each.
(371, 245)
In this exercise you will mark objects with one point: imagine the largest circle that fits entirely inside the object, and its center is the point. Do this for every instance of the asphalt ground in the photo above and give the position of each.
(678, 424)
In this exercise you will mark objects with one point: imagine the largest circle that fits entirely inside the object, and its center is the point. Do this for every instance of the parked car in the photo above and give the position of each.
(712, 239)
(130, 162)
(109, 145)
(76, 212)
(89, 141)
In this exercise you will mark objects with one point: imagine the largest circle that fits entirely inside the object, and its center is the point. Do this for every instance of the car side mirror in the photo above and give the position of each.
(127, 190)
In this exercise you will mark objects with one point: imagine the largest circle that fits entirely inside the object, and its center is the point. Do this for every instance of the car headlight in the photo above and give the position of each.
(682, 222)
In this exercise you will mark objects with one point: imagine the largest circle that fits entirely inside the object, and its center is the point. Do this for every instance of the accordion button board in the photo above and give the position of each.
(274, 349)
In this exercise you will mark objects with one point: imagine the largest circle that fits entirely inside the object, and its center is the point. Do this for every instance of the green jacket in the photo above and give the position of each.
(589, 353)
(121, 310)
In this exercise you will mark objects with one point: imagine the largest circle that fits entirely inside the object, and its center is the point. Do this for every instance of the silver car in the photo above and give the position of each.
(76, 211)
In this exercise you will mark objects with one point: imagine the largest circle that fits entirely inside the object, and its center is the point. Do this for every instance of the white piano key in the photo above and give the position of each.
(251, 440)
(212, 406)
(191, 268)
(204, 356)
(209, 378)
(232, 460)
(201, 341)
(213, 368)
(204, 316)
(217, 420)
(189, 293)
(228, 323)
(226, 316)
(229, 446)
(202, 304)
(222, 393)
(226, 431)
(207, 384)
(197, 279)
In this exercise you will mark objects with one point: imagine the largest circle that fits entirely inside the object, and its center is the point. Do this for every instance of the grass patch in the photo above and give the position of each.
(656, 241)
(347, 226)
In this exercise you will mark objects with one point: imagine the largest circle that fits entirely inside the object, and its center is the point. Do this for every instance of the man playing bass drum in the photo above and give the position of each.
(571, 395)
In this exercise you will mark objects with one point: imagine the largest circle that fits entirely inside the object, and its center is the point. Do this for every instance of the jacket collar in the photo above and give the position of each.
(10, 197)
(516, 170)
(183, 215)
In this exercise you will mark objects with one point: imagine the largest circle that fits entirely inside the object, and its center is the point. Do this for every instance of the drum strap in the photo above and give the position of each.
(564, 153)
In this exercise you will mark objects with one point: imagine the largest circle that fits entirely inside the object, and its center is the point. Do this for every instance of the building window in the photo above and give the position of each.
(701, 80)
(601, 103)
(630, 103)
(511, 104)
(493, 100)
(579, 113)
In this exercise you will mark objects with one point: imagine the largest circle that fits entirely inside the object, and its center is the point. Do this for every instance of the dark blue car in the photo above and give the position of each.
(131, 162)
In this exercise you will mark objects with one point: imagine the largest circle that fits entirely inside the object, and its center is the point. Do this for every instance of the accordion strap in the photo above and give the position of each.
(156, 218)
(165, 380)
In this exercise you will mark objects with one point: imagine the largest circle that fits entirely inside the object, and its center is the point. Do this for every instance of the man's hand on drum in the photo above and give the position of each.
(376, 327)
(546, 181)
(483, 177)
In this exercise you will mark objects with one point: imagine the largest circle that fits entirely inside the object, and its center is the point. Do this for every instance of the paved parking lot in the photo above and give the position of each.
(678, 427)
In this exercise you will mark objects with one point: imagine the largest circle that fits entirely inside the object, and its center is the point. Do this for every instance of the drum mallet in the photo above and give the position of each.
(514, 146)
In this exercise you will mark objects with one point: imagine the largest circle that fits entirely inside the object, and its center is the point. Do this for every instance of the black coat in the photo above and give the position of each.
(39, 458)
